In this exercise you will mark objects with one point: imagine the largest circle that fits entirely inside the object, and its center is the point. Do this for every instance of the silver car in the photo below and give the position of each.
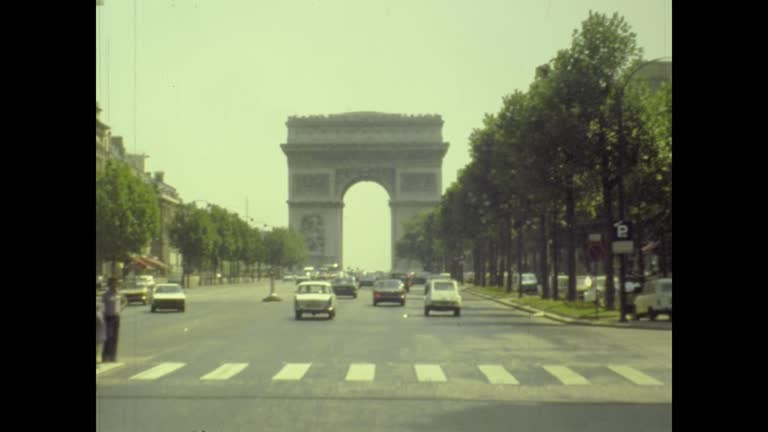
(314, 297)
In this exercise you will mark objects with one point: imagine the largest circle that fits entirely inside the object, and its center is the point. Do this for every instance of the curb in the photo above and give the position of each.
(563, 319)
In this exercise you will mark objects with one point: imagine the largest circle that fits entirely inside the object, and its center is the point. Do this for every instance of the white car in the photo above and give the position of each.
(169, 296)
(655, 298)
(314, 297)
(443, 294)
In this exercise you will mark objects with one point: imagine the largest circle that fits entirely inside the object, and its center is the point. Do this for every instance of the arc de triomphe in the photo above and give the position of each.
(329, 154)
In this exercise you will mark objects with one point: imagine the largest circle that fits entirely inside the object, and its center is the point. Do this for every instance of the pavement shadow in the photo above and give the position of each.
(551, 417)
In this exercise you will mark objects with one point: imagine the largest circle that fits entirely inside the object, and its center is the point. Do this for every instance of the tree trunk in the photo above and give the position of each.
(639, 252)
(610, 289)
(508, 253)
(570, 216)
(543, 260)
(493, 261)
(555, 256)
(519, 278)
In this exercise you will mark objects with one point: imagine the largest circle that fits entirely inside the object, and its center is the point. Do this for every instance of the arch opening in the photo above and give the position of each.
(366, 227)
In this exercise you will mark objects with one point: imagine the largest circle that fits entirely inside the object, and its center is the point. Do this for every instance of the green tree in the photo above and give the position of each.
(127, 213)
(283, 247)
(193, 234)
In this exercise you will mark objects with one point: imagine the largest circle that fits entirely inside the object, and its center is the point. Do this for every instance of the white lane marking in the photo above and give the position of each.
(104, 367)
(361, 372)
(566, 375)
(429, 373)
(635, 375)
(225, 371)
(496, 374)
(292, 372)
(158, 371)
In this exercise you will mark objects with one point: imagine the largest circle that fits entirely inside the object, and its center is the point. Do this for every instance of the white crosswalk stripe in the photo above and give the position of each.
(225, 372)
(158, 371)
(635, 375)
(429, 373)
(361, 372)
(104, 367)
(566, 375)
(292, 372)
(366, 372)
(496, 374)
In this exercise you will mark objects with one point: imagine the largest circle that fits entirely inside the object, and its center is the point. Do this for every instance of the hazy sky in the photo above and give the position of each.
(204, 87)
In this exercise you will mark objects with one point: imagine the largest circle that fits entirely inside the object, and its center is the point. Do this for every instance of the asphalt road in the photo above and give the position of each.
(234, 363)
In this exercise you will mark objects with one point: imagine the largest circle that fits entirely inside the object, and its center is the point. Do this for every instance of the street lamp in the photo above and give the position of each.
(622, 198)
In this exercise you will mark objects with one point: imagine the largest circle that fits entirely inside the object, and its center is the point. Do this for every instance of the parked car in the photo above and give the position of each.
(419, 278)
(314, 297)
(345, 286)
(168, 296)
(138, 291)
(655, 299)
(443, 294)
(389, 291)
(529, 285)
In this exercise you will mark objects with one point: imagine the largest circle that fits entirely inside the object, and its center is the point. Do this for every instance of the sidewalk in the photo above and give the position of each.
(649, 325)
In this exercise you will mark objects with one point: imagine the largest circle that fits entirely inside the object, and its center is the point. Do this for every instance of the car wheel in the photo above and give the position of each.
(402, 303)
(670, 316)
(426, 311)
(153, 309)
(354, 296)
(651, 314)
(183, 308)
(457, 312)
(635, 316)
(375, 303)
(298, 315)
(332, 315)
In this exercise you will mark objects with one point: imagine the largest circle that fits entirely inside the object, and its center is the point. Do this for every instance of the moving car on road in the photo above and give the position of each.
(314, 297)
(443, 295)
(169, 296)
(367, 280)
(344, 286)
(655, 298)
(389, 291)
(138, 291)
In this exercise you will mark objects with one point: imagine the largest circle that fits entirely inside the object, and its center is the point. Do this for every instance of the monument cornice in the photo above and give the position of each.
(315, 204)
(365, 118)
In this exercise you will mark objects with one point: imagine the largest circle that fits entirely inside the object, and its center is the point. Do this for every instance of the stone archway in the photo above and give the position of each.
(327, 155)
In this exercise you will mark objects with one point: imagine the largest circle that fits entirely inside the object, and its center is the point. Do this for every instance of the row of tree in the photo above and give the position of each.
(556, 159)
(207, 238)
(128, 218)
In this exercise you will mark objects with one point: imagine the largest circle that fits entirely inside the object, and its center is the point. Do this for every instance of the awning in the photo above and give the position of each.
(143, 262)
(154, 262)
(651, 246)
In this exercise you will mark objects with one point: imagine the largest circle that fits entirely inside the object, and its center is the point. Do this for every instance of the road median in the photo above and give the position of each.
(577, 313)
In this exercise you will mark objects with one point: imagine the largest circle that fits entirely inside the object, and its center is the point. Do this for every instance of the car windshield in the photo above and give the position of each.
(343, 282)
(312, 289)
(529, 278)
(444, 286)
(167, 289)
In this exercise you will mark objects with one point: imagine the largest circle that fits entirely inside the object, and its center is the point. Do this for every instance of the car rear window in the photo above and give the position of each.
(165, 289)
(313, 289)
(443, 286)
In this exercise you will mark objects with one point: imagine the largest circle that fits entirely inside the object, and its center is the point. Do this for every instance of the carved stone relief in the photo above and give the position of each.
(310, 185)
(425, 183)
(313, 229)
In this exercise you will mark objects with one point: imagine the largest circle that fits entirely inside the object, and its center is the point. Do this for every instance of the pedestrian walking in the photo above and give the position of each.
(113, 305)
(101, 329)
